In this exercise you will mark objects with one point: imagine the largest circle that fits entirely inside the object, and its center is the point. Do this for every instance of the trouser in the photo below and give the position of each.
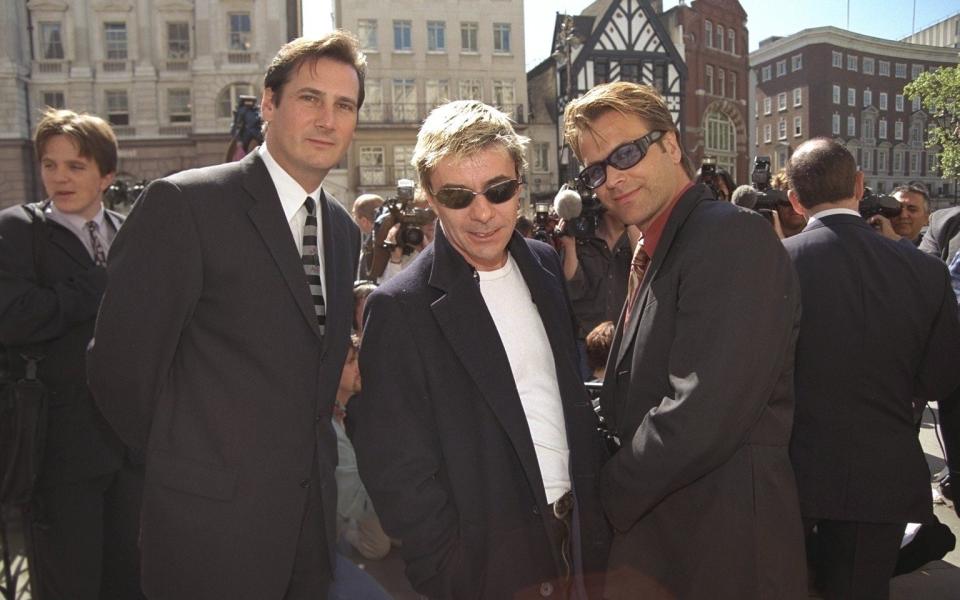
(853, 560)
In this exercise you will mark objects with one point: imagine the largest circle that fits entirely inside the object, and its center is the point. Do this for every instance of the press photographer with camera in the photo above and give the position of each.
(716, 178)
(404, 226)
(768, 196)
(907, 213)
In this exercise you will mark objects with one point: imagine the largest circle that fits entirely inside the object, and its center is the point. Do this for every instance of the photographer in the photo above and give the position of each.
(716, 178)
(767, 195)
(915, 214)
(404, 226)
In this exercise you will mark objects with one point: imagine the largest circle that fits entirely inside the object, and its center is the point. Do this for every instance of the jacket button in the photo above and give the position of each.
(546, 589)
(536, 509)
(305, 483)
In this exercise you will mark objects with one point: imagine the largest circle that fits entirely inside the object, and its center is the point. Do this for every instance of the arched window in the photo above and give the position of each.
(719, 43)
(708, 33)
(721, 141)
(227, 98)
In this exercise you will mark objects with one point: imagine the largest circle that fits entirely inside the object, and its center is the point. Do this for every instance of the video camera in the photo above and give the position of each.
(709, 176)
(760, 176)
(580, 210)
(247, 123)
(873, 204)
(409, 236)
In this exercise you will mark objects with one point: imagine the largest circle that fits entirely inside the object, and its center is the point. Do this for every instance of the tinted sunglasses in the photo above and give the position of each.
(457, 197)
(623, 157)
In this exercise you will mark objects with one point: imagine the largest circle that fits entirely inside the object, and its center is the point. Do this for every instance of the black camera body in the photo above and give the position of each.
(400, 209)
(760, 176)
(543, 222)
(708, 176)
(585, 226)
(873, 204)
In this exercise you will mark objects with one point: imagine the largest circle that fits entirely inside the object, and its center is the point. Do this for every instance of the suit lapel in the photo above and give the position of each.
(63, 238)
(268, 217)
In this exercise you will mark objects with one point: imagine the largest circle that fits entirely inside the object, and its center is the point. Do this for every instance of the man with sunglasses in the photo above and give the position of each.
(475, 436)
(699, 380)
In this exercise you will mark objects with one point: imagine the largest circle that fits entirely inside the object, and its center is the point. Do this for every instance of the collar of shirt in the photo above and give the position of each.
(654, 231)
(76, 223)
(834, 211)
(291, 193)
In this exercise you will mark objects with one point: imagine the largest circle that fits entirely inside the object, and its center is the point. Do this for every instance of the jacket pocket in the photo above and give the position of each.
(190, 476)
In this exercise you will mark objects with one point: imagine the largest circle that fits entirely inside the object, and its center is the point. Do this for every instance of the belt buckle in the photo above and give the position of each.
(563, 505)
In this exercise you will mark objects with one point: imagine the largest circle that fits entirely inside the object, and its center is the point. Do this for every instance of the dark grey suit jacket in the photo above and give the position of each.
(442, 440)
(943, 235)
(879, 328)
(699, 389)
(207, 354)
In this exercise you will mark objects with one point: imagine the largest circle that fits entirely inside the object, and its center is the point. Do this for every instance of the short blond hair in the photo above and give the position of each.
(628, 99)
(463, 128)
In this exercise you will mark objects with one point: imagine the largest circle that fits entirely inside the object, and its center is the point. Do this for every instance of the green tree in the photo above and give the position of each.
(939, 92)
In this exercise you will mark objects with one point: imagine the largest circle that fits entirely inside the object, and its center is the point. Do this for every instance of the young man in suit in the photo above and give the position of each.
(879, 329)
(220, 342)
(87, 501)
(698, 385)
(474, 433)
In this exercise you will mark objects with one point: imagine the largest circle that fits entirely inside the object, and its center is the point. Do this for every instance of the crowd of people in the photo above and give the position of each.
(248, 384)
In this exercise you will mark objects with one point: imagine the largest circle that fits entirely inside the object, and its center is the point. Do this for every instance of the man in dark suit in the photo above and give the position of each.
(699, 381)
(220, 341)
(474, 433)
(942, 238)
(879, 328)
(52, 274)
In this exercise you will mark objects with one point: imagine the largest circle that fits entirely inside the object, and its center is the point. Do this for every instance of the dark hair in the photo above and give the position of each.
(915, 188)
(339, 45)
(92, 135)
(599, 341)
(524, 226)
(822, 171)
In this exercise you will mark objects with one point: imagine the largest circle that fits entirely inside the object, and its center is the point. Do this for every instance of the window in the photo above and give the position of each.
(503, 95)
(470, 89)
(867, 129)
(916, 135)
(851, 62)
(731, 41)
(884, 69)
(916, 104)
(178, 105)
(767, 133)
(401, 36)
(867, 98)
(836, 94)
(866, 160)
(756, 136)
(468, 37)
(115, 41)
(914, 163)
(372, 109)
(721, 82)
(630, 72)
(229, 96)
(797, 97)
(851, 126)
(404, 100)
(883, 101)
(118, 109)
(932, 163)
(766, 105)
(851, 96)
(901, 70)
(898, 102)
(371, 166)
(501, 37)
(541, 158)
(781, 68)
(835, 124)
(239, 31)
(915, 71)
(882, 129)
(51, 41)
(796, 62)
(402, 169)
(782, 101)
(178, 41)
(881, 160)
(867, 66)
(837, 59)
(719, 44)
(765, 73)
(54, 100)
(733, 85)
(897, 161)
(720, 140)
(782, 129)
(437, 91)
(367, 34)
(601, 71)
(436, 36)
(797, 126)
(708, 33)
(898, 130)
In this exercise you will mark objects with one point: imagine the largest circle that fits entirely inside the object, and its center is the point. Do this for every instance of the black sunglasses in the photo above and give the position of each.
(622, 158)
(457, 197)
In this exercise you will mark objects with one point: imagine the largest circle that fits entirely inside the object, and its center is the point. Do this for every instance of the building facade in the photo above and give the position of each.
(421, 55)
(945, 33)
(165, 73)
(828, 82)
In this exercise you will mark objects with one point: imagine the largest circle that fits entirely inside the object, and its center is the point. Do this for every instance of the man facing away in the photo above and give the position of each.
(474, 434)
(220, 342)
(879, 329)
(699, 381)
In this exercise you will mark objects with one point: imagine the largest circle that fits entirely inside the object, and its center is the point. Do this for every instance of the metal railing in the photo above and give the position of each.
(390, 113)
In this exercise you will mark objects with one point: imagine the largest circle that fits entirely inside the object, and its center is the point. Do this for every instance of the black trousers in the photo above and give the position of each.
(853, 560)
(85, 537)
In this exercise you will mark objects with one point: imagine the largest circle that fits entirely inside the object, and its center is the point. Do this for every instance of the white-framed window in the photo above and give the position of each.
(503, 95)
(882, 129)
(836, 94)
(835, 124)
(867, 98)
(797, 126)
(402, 168)
(897, 162)
(468, 36)
(731, 41)
(837, 59)
(240, 32)
(367, 34)
(501, 37)
(914, 163)
(898, 130)
(868, 64)
(767, 103)
(371, 162)
(541, 157)
(781, 68)
(709, 79)
(884, 68)
(883, 101)
(708, 33)
(867, 129)
(782, 129)
(851, 96)
(898, 102)
(721, 82)
(852, 61)
(404, 101)
(767, 133)
(179, 107)
(178, 40)
(916, 104)
(866, 162)
(881, 160)
(436, 36)
(54, 99)
(796, 62)
(115, 40)
(733, 85)
(915, 71)
(781, 101)
(916, 135)
(118, 107)
(797, 97)
(765, 73)
(901, 70)
(719, 44)
(372, 109)
(51, 40)
(851, 126)
(933, 163)
(437, 92)
(471, 89)
(402, 36)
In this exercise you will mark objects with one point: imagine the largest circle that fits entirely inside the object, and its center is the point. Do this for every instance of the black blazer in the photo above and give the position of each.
(207, 353)
(879, 328)
(442, 440)
(943, 235)
(58, 316)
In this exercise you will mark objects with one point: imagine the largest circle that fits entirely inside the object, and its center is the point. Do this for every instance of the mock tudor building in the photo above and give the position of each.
(828, 82)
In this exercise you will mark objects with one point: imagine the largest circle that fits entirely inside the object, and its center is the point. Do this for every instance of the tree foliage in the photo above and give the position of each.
(939, 92)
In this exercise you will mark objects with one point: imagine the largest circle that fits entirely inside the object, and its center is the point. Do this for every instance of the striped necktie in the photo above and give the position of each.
(638, 266)
(99, 254)
(311, 263)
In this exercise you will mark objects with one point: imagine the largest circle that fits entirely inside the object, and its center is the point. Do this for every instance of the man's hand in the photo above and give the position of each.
(883, 227)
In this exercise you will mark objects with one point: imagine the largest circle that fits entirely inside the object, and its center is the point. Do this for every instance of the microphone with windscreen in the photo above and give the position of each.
(567, 203)
(744, 196)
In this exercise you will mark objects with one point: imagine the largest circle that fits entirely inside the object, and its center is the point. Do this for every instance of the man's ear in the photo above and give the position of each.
(795, 203)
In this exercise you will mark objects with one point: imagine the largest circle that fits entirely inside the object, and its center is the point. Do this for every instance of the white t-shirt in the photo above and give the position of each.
(534, 371)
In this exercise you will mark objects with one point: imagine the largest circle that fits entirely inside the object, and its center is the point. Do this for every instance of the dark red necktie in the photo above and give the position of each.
(638, 266)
